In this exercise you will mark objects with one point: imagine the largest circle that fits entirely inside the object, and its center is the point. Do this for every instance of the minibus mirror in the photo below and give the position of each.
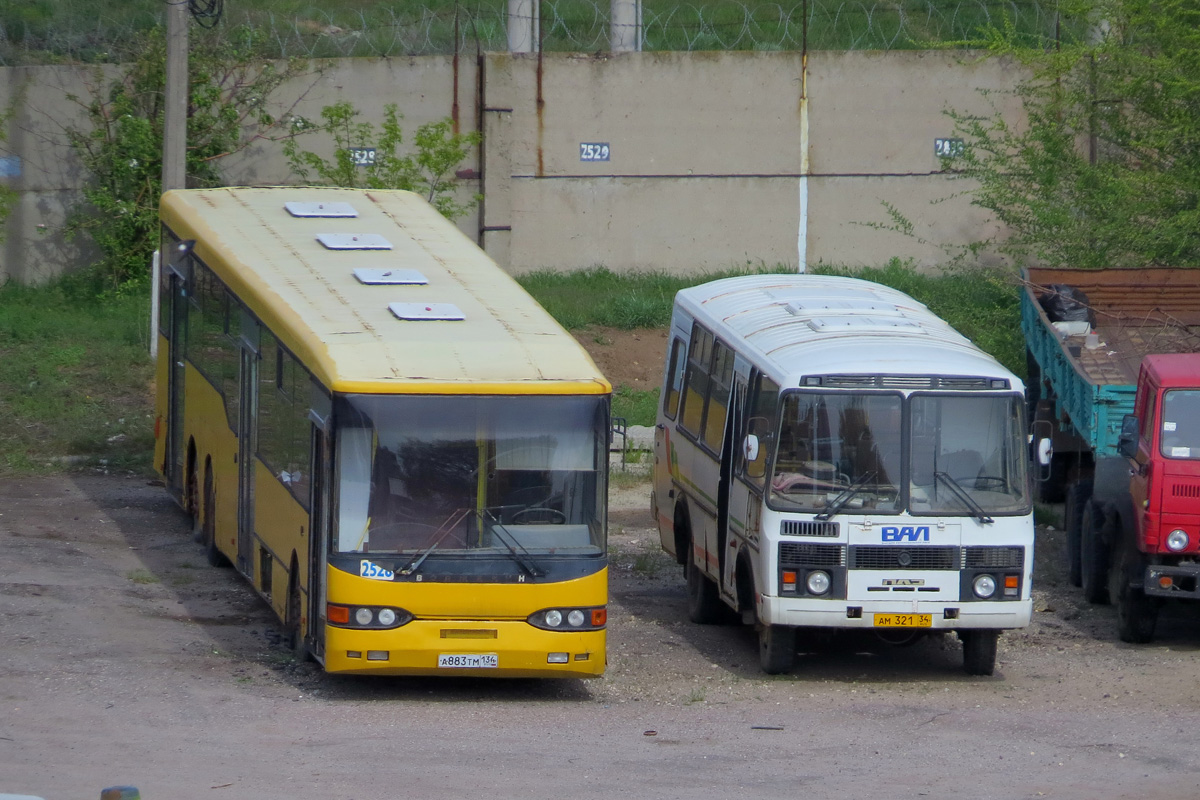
(1045, 451)
(750, 447)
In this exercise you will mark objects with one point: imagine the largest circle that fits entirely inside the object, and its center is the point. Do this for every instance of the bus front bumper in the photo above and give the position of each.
(512, 649)
(933, 616)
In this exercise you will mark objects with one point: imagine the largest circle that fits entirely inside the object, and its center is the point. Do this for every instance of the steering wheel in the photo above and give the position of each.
(536, 514)
(990, 483)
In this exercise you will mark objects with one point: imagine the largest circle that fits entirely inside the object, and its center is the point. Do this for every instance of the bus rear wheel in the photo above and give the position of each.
(703, 603)
(208, 530)
(979, 651)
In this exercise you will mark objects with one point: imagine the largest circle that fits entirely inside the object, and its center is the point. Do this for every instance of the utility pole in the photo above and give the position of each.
(175, 103)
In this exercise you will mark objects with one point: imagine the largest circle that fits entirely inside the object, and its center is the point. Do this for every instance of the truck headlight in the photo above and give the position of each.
(1177, 540)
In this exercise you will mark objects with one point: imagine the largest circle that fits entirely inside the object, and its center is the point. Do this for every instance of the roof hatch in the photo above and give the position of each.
(390, 277)
(320, 209)
(416, 312)
(354, 241)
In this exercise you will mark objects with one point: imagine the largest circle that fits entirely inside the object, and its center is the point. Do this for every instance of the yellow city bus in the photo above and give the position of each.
(400, 449)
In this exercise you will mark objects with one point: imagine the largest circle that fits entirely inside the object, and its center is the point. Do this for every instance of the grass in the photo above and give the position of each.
(599, 296)
(95, 31)
(76, 380)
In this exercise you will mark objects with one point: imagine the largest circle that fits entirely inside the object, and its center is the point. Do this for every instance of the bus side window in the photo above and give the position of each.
(696, 382)
(718, 396)
(674, 380)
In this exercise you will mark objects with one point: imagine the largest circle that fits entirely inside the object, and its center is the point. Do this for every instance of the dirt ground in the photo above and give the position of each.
(633, 359)
(126, 660)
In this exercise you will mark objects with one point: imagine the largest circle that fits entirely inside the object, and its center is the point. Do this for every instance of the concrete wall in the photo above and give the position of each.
(705, 167)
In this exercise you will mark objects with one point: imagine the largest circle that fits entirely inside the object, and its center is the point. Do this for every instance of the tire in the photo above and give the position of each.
(1137, 614)
(979, 651)
(703, 601)
(208, 528)
(776, 648)
(1093, 558)
(1078, 495)
(294, 634)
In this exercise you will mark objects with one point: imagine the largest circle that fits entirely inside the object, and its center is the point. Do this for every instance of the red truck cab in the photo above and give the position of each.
(1162, 437)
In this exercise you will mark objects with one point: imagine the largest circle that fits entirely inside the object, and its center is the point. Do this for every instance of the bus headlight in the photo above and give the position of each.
(984, 586)
(1177, 540)
(370, 617)
(576, 619)
(817, 582)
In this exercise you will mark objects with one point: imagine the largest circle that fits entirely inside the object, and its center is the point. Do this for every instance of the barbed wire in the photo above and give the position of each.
(565, 25)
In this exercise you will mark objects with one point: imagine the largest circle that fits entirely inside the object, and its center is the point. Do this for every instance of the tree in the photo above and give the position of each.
(122, 150)
(428, 170)
(1105, 171)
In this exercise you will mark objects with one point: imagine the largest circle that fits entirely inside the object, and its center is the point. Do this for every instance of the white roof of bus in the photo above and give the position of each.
(343, 329)
(798, 325)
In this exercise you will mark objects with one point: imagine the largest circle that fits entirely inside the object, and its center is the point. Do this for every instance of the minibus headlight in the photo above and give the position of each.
(575, 618)
(364, 616)
(817, 582)
(554, 618)
(984, 586)
(387, 616)
(1177, 540)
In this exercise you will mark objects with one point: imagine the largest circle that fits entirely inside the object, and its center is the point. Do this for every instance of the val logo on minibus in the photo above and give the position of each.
(909, 533)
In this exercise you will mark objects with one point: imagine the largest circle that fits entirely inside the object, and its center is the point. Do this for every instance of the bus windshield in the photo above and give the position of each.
(930, 454)
(471, 474)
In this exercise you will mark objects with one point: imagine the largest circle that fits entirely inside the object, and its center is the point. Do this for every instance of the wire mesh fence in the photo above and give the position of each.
(90, 32)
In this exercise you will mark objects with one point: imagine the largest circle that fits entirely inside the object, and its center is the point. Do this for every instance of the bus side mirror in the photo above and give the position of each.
(1045, 452)
(750, 447)
(1128, 440)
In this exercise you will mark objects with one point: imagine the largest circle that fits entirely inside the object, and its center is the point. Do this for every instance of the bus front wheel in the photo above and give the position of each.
(979, 651)
(776, 648)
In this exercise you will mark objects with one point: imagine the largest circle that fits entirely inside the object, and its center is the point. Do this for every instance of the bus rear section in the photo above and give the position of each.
(817, 469)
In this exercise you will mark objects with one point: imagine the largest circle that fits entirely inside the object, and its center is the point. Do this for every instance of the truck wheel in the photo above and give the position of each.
(1093, 558)
(979, 651)
(776, 648)
(1137, 614)
(1078, 495)
(703, 603)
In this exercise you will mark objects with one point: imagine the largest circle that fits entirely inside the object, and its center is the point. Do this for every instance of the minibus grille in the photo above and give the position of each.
(796, 527)
(877, 557)
(994, 557)
(803, 554)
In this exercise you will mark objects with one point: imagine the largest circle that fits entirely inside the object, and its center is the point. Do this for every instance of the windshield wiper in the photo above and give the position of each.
(961, 493)
(845, 497)
(518, 552)
(441, 533)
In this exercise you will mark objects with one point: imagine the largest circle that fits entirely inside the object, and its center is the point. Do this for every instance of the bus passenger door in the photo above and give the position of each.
(318, 531)
(725, 486)
(247, 440)
(177, 314)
